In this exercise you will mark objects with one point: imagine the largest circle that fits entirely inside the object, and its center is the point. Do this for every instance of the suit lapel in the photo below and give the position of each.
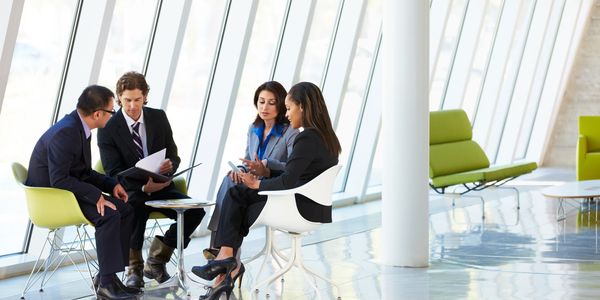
(150, 131)
(271, 145)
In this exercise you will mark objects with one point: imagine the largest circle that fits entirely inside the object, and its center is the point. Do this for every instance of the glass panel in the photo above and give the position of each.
(355, 90)
(481, 57)
(318, 43)
(193, 69)
(257, 69)
(128, 40)
(446, 53)
(510, 74)
(126, 47)
(30, 97)
(375, 177)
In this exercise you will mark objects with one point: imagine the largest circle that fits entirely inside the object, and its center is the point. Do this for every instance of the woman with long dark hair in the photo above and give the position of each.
(315, 149)
(269, 143)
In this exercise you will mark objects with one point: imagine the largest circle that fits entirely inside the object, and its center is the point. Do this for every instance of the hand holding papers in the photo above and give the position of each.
(149, 166)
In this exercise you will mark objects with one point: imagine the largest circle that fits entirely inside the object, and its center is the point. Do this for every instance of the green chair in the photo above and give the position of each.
(456, 160)
(54, 209)
(588, 148)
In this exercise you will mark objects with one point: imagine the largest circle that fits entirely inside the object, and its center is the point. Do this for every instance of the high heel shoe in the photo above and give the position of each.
(240, 275)
(214, 293)
(215, 267)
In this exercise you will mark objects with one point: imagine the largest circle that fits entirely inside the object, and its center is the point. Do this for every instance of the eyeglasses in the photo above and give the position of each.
(112, 112)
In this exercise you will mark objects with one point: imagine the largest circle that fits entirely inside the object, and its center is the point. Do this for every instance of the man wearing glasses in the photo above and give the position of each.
(135, 132)
(62, 159)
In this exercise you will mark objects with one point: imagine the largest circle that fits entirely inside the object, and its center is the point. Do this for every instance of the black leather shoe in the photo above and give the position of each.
(135, 279)
(112, 291)
(156, 271)
(127, 289)
(214, 268)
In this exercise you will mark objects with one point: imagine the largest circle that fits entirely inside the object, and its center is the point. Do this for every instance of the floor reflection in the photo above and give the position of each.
(512, 254)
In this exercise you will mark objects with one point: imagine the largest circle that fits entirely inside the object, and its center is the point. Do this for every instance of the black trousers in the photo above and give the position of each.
(112, 234)
(191, 217)
(240, 209)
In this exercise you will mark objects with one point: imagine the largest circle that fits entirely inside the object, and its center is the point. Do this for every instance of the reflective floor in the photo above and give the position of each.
(512, 254)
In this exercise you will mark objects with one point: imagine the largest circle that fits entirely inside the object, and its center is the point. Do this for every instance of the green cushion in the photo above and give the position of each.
(485, 174)
(449, 126)
(589, 167)
(452, 158)
(589, 126)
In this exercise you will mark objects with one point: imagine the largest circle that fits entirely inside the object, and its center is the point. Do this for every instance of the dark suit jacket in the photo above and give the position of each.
(62, 159)
(308, 159)
(117, 150)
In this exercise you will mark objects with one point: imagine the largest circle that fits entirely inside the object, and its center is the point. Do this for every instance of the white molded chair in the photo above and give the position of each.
(280, 213)
(55, 209)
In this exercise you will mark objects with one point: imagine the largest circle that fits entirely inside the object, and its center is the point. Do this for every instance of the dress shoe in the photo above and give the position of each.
(158, 255)
(156, 271)
(135, 276)
(214, 268)
(112, 291)
(127, 289)
(214, 293)
(135, 279)
(240, 275)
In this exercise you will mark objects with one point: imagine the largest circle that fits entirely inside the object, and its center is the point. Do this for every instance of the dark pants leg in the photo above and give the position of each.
(213, 225)
(241, 207)
(114, 223)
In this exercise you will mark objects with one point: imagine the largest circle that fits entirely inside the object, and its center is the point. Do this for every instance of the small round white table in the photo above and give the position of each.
(585, 189)
(179, 279)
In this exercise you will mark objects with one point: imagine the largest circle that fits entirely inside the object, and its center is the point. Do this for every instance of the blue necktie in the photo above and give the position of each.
(137, 140)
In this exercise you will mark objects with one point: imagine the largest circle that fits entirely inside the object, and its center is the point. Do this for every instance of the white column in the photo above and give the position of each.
(405, 207)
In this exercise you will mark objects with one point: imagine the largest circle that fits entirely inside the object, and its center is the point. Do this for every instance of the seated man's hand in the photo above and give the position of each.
(102, 203)
(152, 186)
(166, 167)
(119, 192)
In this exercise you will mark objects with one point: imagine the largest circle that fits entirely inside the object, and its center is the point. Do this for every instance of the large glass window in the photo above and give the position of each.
(128, 40)
(319, 40)
(193, 69)
(357, 82)
(126, 47)
(29, 101)
(257, 69)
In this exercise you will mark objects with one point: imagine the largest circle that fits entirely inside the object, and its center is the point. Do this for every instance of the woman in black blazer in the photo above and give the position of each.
(316, 149)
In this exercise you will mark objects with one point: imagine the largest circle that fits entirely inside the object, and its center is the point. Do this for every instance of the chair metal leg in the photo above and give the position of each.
(268, 235)
(36, 268)
(279, 273)
(295, 259)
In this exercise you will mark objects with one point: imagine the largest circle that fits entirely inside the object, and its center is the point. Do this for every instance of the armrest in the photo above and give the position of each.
(279, 193)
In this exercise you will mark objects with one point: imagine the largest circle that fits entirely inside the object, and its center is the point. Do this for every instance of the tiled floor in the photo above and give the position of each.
(513, 254)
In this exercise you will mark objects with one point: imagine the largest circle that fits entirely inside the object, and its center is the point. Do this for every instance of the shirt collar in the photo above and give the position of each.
(130, 121)
(86, 128)
(277, 130)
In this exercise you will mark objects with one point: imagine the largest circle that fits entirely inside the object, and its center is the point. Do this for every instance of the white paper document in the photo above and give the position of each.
(153, 161)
